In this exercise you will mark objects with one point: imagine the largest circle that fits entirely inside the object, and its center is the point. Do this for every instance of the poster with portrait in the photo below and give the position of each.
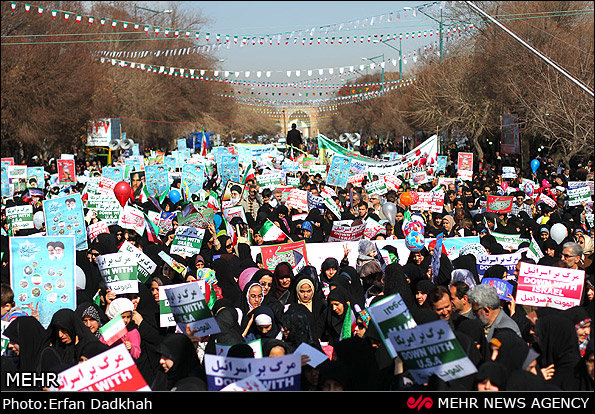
(66, 171)
(4, 180)
(64, 215)
(137, 183)
(193, 178)
(114, 173)
(338, 172)
(229, 169)
(35, 177)
(42, 274)
(232, 194)
(465, 166)
(156, 179)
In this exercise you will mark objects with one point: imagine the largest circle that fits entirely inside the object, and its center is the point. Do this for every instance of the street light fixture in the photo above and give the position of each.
(372, 59)
(400, 55)
(156, 12)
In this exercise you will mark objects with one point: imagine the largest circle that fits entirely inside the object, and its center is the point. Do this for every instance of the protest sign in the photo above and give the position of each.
(146, 266)
(429, 201)
(112, 370)
(132, 218)
(332, 206)
(509, 261)
(338, 171)
(229, 169)
(390, 314)
(508, 172)
(377, 187)
(193, 178)
(166, 317)
(107, 209)
(256, 345)
(189, 307)
(174, 264)
(276, 373)
(441, 163)
(42, 274)
(499, 204)
(237, 211)
(547, 200)
(344, 230)
(465, 166)
(157, 180)
(392, 182)
(503, 287)
(35, 177)
(431, 348)
(64, 215)
(4, 180)
(20, 217)
(113, 173)
(579, 195)
(119, 270)
(96, 229)
(548, 286)
(315, 201)
(232, 195)
(297, 199)
(187, 241)
(66, 171)
(293, 253)
(373, 228)
(270, 180)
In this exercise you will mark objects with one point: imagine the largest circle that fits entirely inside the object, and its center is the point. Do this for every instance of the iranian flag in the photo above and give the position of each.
(113, 330)
(204, 144)
(270, 232)
(348, 323)
(152, 230)
(249, 174)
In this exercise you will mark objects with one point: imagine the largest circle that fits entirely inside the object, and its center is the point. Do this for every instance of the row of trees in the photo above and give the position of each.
(51, 91)
(487, 74)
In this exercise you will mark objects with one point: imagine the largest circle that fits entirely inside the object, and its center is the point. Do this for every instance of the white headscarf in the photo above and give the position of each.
(119, 306)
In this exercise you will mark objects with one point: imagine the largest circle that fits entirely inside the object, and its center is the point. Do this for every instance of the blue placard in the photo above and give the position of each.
(503, 287)
(193, 178)
(113, 173)
(42, 274)
(64, 215)
(338, 173)
(229, 169)
(157, 179)
(35, 177)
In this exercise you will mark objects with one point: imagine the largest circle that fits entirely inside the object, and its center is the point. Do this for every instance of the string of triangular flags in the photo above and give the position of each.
(305, 41)
(235, 39)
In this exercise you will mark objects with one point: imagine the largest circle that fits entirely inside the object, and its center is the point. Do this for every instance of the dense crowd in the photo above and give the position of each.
(513, 347)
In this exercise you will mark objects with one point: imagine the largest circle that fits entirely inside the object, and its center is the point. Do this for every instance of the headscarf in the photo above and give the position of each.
(68, 321)
(395, 281)
(30, 335)
(512, 349)
(329, 263)
(301, 327)
(463, 275)
(496, 272)
(579, 318)
(299, 284)
(248, 306)
(493, 371)
(359, 357)
(119, 306)
(246, 276)
(264, 312)
(177, 347)
(282, 270)
(94, 312)
(334, 322)
(558, 345)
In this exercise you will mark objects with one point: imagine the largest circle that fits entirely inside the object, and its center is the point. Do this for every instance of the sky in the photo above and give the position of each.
(244, 18)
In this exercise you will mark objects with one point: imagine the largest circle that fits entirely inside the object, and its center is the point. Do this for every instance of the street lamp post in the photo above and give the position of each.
(400, 55)
(382, 67)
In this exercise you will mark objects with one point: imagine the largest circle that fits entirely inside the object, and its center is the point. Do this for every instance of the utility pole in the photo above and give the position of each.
(400, 50)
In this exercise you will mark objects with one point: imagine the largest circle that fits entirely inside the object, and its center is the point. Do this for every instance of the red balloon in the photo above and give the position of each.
(406, 199)
(122, 191)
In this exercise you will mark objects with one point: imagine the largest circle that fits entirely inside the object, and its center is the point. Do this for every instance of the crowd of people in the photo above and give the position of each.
(513, 347)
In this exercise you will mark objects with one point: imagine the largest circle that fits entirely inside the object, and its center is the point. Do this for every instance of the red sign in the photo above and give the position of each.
(499, 204)
(292, 253)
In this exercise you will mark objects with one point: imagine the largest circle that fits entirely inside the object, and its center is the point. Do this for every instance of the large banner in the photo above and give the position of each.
(276, 373)
(510, 143)
(345, 231)
(429, 201)
(419, 158)
(42, 274)
(550, 287)
(112, 370)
